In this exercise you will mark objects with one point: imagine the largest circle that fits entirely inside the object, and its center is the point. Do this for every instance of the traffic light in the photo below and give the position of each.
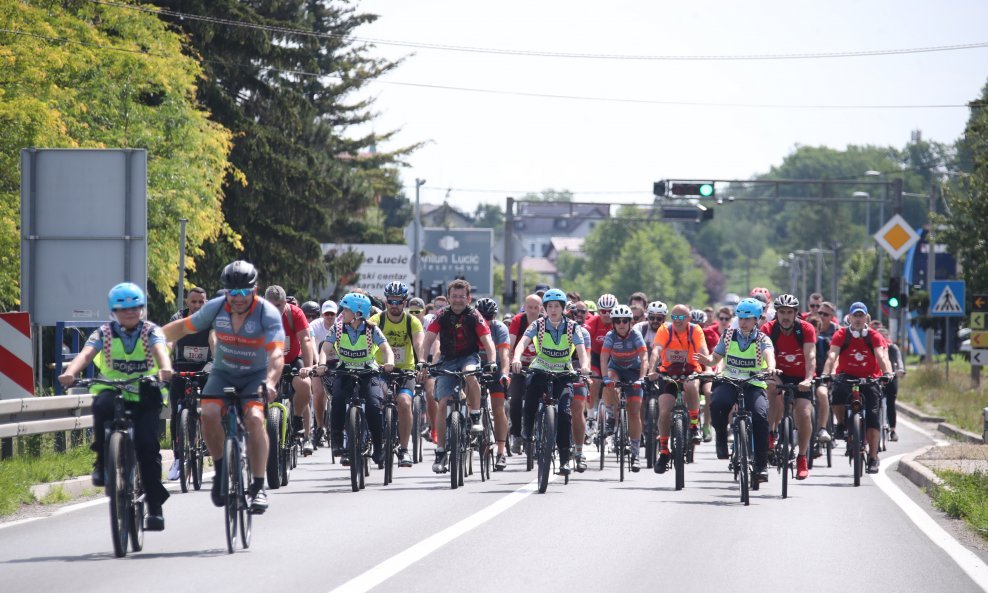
(895, 298)
(692, 189)
(659, 188)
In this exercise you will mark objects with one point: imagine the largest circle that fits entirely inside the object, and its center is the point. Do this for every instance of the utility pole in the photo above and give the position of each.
(931, 254)
(509, 225)
(818, 281)
(416, 248)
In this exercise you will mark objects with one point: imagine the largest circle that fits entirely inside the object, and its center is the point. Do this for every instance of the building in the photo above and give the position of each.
(444, 216)
(538, 223)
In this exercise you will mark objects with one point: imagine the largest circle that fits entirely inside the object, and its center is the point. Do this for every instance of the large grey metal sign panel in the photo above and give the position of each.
(83, 230)
(458, 252)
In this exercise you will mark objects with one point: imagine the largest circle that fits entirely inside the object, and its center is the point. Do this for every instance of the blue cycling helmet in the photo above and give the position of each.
(125, 295)
(396, 288)
(554, 294)
(749, 308)
(360, 304)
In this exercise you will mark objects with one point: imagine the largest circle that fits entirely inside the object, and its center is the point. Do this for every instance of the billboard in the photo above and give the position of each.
(449, 253)
(381, 264)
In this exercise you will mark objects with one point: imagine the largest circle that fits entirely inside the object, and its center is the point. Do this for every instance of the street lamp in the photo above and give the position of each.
(416, 248)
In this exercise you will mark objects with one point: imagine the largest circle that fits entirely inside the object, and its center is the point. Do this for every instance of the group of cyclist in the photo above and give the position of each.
(246, 342)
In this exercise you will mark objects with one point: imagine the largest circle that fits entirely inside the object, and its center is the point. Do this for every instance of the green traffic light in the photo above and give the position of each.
(893, 303)
(707, 190)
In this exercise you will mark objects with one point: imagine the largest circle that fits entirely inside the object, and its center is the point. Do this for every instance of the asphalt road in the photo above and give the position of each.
(593, 534)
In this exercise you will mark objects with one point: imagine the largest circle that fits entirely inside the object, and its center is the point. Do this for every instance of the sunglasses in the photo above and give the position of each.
(823, 314)
(580, 311)
(415, 311)
(621, 321)
(678, 317)
(814, 305)
(240, 291)
(607, 311)
(724, 318)
(329, 314)
(656, 318)
(396, 302)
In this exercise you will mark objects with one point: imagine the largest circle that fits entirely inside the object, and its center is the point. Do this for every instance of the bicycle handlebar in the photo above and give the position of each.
(148, 379)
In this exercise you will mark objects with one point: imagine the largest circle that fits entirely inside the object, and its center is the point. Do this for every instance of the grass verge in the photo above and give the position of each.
(929, 390)
(964, 496)
(18, 474)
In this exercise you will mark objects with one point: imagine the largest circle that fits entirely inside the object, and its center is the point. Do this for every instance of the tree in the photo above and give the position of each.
(857, 282)
(550, 195)
(489, 216)
(120, 81)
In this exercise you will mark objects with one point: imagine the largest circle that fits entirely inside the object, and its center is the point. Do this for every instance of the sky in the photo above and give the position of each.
(483, 147)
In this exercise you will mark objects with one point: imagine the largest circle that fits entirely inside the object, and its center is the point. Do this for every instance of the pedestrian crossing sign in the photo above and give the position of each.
(947, 298)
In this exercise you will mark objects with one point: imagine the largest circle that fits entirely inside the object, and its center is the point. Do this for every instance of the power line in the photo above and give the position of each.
(499, 91)
(548, 54)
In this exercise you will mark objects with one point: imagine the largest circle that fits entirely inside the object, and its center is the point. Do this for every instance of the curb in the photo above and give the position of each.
(960, 433)
(916, 414)
(917, 473)
(76, 487)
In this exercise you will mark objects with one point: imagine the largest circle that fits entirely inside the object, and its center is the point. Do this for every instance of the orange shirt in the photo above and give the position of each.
(678, 351)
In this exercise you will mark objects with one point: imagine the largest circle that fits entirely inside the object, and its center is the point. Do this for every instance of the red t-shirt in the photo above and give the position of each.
(293, 348)
(598, 330)
(857, 359)
(460, 347)
(789, 355)
(519, 323)
(712, 335)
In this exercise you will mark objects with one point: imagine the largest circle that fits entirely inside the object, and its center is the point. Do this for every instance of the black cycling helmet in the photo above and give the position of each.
(239, 274)
(487, 308)
(311, 309)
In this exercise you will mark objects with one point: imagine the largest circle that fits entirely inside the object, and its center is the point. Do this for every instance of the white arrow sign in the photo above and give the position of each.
(979, 358)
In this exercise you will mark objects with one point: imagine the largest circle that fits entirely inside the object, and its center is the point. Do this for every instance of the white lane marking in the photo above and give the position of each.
(19, 522)
(969, 562)
(936, 437)
(402, 560)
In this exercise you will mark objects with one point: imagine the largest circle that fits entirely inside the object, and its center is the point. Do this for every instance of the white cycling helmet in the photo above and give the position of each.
(786, 300)
(607, 301)
(698, 316)
(657, 308)
(621, 312)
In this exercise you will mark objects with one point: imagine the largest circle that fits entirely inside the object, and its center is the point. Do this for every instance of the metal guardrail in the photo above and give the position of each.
(39, 415)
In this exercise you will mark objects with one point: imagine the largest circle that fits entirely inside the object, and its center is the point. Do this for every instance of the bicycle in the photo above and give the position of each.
(815, 444)
(622, 443)
(191, 447)
(650, 424)
(419, 421)
(742, 449)
(484, 442)
(358, 440)
(283, 448)
(785, 452)
(236, 476)
(854, 423)
(457, 429)
(681, 444)
(546, 424)
(128, 508)
(391, 442)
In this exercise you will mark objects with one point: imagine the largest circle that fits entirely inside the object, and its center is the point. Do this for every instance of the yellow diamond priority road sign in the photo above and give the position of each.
(896, 237)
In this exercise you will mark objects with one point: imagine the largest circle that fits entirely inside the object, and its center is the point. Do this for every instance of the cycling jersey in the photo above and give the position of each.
(624, 352)
(192, 349)
(519, 324)
(857, 359)
(597, 329)
(789, 355)
(678, 348)
(399, 335)
(459, 333)
(646, 331)
(294, 324)
(246, 348)
(499, 333)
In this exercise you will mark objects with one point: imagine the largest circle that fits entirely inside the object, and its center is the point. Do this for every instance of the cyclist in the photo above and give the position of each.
(417, 307)
(299, 354)
(462, 332)
(404, 334)
(744, 351)
(320, 331)
(637, 302)
(357, 340)
(671, 354)
(516, 388)
(892, 389)
(656, 314)
(794, 341)
(597, 326)
(556, 339)
(859, 352)
(625, 357)
(712, 334)
(499, 334)
(191, 354)
(128, 347)
(577, 312)
(249, 340)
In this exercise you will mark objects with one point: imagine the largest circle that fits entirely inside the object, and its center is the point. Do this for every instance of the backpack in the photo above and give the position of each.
(777, 331)
(408, 330)
(689, 335)
(866, 338)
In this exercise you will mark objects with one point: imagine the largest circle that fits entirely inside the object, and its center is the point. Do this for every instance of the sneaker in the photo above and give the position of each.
(318, 436)
(500, 463)
(635, 466)
(872, 465)
(258, 501)
(440, 462)
(581, 464)
(516, 445)
(155, 520)
(661, 463)
(98, 476)
(404, 457)
(476, 428)
(892, 436)
(771, 440)
(707, 436)
(173, 470)
(839, 432)
(307, 448)
(695, 434)
(722, 452)
(823, 436)
(345, 459)
(761, 474)
(377, 456)
(565, 468)
(802, 471)
(214, 492)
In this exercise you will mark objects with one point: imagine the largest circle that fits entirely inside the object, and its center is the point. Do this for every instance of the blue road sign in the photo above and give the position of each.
(947, 298)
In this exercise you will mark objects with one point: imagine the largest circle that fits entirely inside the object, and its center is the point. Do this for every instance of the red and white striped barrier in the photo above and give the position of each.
(16, 361)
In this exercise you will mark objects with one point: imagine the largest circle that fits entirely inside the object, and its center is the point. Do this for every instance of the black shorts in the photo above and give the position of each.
(807, 395)
(841, 396)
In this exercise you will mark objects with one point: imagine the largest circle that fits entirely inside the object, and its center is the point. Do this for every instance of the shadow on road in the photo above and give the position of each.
(132, 556)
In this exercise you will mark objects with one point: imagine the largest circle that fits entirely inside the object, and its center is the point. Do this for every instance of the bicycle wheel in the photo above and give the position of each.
(244, 516)
(197, 447)
(390, 436)
(677, 439)
(366, 448)
(274, 471)
(546, 442)
(622, 435)
(602, 432)
(486, 446)
(830, 444)
(183, 449)
(453, 452)
(116, 490)
(649, 434)
(741, 461)
(229, 489)
(138, 506)
(354, 436)
(883, 424)
(857, 447)
(417, 427)
(785, 451)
